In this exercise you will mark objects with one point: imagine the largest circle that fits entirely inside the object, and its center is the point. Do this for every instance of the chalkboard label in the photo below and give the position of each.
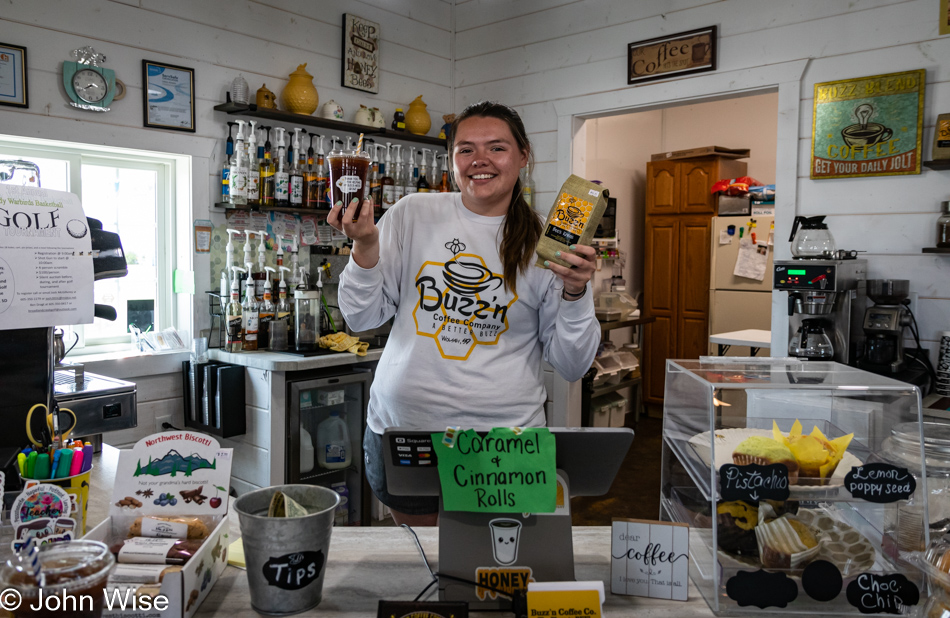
(753, 482)
(882, 594)
(294, 571)
(880, 482)
(761, 589)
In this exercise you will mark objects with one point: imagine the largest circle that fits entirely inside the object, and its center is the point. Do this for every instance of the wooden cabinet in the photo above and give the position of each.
(679, 210)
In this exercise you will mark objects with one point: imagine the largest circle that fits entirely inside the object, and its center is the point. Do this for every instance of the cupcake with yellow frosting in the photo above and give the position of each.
(817, 456)
(764, 451)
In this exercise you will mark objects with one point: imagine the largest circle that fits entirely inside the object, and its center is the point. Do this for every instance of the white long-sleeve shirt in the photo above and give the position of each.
(463, 350)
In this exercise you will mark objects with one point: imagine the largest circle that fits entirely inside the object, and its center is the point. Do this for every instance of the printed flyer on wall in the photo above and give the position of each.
(46, 272)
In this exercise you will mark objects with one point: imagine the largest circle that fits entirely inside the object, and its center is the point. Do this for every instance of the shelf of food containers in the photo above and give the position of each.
(240, 109)
(770, 463)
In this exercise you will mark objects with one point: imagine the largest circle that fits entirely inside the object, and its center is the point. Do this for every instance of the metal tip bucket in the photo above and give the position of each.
(286, 557)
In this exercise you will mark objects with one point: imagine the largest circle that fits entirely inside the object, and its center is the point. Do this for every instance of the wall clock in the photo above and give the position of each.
(89, 85)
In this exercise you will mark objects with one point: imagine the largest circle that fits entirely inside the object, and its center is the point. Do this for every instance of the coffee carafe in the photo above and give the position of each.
(811, 239)
(812, 341)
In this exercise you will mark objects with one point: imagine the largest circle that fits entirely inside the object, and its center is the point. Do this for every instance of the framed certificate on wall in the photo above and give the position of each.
(13, 87)
(169, 101)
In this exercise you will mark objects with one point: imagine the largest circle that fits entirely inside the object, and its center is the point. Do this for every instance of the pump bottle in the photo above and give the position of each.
(267, 172)
(253, 168)
(282, 175)
(226, 168)
(310, 192)
(445, 186)
(399, 176)
(323, 181)
(296, 174)
(375, 186)
(285, 309)
(248, 261)
(260, 275)
(388, 182)
(527, 187)
(266, 313)
(251, 317)
(234, 316)
(412, 173)
(239, 169)
(422, 185)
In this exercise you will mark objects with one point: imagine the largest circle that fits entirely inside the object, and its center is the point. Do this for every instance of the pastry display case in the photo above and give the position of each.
(805, 485)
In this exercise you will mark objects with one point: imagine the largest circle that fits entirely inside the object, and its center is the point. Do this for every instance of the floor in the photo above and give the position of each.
(635, 493)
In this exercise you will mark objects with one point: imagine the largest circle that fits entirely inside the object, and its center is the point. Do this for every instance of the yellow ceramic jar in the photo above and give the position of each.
(417, 118)
(266, 98)
(300, 95)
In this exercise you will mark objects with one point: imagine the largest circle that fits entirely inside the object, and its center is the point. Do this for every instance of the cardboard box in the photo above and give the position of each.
(705, 151)
(153, 467)
(732, 206)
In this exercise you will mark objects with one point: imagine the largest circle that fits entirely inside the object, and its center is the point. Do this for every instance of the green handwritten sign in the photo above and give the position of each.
(506, 471)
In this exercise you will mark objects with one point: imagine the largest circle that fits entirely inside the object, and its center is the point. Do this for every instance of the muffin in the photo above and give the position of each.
(817, 456)
(785, 543)
(764, 451)
(736, 522)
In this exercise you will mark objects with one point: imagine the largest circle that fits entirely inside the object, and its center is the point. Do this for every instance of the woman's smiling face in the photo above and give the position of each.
(487, 161)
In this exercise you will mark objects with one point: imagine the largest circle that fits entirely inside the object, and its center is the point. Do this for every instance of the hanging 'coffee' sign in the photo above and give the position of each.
(294, 571)
(880, 482)
(673, 55)
(753, 482)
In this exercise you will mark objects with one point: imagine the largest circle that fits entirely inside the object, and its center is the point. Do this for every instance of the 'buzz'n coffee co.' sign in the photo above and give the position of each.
(672, 56)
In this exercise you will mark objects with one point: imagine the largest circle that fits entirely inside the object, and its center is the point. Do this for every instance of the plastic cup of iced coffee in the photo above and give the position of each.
(73, 578)
(348, 171)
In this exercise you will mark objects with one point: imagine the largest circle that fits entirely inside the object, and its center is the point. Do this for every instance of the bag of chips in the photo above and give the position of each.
(573, 219)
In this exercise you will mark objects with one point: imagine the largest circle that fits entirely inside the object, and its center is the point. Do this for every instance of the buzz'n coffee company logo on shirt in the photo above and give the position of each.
(462, 303)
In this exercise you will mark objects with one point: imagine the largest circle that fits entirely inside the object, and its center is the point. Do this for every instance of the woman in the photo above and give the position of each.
(474, 317)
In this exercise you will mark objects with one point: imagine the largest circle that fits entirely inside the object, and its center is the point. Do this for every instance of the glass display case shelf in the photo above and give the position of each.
(803, 516)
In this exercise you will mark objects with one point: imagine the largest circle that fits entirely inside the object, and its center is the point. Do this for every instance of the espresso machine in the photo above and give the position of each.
(826, 298)
(884, 324)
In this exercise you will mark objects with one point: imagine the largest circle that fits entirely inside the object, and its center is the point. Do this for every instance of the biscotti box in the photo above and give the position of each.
(168, 525)
(804, 487)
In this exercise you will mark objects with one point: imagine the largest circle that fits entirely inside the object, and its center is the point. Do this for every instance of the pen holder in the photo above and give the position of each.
(77, 485)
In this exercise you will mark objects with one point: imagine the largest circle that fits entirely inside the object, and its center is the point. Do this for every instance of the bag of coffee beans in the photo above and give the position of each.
(573, 219)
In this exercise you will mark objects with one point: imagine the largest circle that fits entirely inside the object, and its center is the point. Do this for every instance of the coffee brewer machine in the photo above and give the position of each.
(884, 324)
(826, 298)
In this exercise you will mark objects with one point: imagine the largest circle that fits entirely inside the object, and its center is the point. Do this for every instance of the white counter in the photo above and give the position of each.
(282, 361)
(365, 565)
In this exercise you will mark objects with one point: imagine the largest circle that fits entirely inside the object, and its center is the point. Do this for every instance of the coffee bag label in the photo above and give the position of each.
(164, 529)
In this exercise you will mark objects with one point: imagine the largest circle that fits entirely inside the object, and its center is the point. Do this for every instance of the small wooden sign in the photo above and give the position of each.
(360, 54)
(649, 559)
(672, 56)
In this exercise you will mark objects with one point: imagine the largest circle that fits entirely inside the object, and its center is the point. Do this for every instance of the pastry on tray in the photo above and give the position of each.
(784, 542)
(817, 456)
(764, 451)
(736, 521)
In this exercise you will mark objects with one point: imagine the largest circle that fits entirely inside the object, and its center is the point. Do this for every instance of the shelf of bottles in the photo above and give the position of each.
(253, 111)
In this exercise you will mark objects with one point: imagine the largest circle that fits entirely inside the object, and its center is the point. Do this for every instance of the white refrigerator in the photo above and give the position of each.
(738, 303)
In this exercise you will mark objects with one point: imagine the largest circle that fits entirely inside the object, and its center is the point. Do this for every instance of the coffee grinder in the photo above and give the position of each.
(884, 324)
(832, 290)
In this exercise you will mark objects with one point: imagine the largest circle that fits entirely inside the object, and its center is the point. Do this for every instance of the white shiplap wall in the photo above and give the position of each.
(263, 40)
(535, 54)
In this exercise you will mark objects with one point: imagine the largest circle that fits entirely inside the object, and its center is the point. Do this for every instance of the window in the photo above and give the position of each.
(133, 193)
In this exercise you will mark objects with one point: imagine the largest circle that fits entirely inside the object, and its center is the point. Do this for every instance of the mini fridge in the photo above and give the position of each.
(311, 399)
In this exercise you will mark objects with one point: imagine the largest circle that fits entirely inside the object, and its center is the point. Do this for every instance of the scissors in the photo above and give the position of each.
(52, 423)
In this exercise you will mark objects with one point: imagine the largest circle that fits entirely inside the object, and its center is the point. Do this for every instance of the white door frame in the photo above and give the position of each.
(785, 78)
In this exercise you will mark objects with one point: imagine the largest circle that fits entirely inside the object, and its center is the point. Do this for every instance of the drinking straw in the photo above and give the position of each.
(32, 555)
(359, 144)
